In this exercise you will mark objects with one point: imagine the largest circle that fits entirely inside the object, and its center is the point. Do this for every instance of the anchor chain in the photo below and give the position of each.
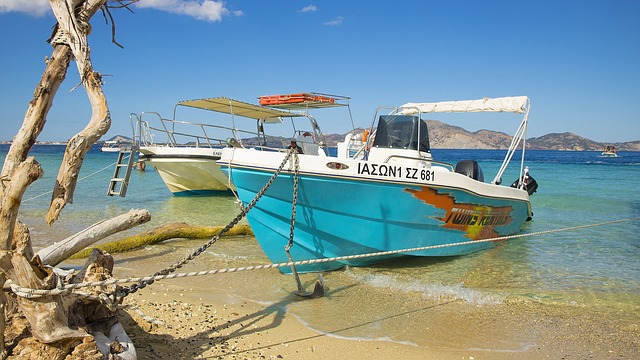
(296, 169)
(142, 284)
(318, 289)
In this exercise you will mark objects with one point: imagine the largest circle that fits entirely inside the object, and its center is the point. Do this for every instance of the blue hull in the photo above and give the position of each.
(368, 216)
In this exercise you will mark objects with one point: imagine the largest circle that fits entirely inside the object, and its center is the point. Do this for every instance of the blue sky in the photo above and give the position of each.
(578, 61)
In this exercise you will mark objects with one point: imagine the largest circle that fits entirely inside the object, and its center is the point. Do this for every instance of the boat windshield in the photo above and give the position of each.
(402, 132)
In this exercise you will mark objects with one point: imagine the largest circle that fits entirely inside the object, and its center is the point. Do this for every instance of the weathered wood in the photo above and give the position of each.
(100, 319)
(56, 324)
(47, 316)
(3, 352)
(22, 240)
(54, 254)
(73, 29)
(35, 117)
(16, 166)
(161, 233)
(11, 193)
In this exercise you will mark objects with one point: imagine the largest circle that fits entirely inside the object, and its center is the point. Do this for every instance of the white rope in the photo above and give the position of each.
(66, 289)
(80, 179)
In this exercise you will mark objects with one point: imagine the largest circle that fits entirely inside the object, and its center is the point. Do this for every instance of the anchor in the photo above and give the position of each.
(318, 289)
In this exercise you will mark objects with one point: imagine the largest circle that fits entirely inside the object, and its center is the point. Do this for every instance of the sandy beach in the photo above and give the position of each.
(203, 324)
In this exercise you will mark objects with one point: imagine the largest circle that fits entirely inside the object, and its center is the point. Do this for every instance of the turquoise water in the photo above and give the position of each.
(591, 266)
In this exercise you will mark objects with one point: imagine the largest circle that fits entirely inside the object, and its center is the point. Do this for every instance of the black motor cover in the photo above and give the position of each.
(471, 168)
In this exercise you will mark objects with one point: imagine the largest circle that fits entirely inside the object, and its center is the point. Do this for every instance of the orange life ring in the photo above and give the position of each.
(365, 135)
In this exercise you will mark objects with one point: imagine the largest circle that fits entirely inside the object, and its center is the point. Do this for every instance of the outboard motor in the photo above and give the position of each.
(530, 184)
(470, 168)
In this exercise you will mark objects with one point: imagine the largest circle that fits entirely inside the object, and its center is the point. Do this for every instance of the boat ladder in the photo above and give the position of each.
(120, 181)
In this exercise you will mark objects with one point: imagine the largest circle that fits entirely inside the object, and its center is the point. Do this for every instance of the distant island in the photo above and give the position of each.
(445, 136)
(453, 137)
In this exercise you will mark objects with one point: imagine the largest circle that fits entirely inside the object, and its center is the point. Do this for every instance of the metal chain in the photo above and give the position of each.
(142, 284)
(296, 169)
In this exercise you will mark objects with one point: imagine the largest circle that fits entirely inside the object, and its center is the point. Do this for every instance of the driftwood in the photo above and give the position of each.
(47, 316)
(95, 316)
(60, 251)
(53, 326)
(11, 192)
(72, 31)
(161, 233)
(3, 301)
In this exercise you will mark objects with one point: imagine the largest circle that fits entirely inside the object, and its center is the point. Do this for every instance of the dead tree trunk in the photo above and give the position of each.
(17, 169)
(33, 323)
(72, 31)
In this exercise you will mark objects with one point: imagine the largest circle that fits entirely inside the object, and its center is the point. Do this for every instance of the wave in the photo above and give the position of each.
(431, 291)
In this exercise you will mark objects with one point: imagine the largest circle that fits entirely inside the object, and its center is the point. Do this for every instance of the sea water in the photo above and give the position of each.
(590, 266)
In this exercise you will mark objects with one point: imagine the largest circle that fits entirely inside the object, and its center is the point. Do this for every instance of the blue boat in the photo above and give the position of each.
(382, 193)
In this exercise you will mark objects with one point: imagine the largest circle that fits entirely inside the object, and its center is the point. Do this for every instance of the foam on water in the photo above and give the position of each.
(431, 291)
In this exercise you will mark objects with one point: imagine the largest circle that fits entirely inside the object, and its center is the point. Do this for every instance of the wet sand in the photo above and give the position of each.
(255, 315)
(204, 322)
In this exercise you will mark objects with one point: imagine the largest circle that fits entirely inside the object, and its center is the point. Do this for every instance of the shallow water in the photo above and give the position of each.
(592, 267)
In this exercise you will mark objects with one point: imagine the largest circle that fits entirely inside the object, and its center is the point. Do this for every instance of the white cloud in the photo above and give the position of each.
(207, 10)
(335, 22)
(309, 8)
(35, 8)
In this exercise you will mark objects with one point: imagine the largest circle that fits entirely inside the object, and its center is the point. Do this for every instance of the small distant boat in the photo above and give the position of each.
(110, 146)
(609, 151)
(388, 195)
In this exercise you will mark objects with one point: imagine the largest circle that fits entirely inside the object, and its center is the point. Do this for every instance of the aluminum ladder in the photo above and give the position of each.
(120, 182)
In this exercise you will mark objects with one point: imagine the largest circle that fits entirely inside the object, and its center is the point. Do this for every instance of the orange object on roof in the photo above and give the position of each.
(295, 99)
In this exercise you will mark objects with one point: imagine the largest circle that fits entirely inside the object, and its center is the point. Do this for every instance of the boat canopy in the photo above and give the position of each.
(514, 104)
(240, 108)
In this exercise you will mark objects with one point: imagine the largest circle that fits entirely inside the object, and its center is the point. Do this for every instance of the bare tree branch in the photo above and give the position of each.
(73, 29)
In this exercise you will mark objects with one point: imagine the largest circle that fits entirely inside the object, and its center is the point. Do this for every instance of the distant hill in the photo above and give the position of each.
(121, 139)
(570, 141)
(445, 136)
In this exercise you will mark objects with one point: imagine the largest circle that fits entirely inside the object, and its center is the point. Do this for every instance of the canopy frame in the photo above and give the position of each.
(513, 104)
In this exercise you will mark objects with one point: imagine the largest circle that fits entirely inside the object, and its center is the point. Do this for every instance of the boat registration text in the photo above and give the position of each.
(401, 172)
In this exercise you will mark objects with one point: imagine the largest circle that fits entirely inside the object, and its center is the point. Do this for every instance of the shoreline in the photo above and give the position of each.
(223, 325)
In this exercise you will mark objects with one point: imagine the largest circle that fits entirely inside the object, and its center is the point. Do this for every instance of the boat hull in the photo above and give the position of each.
(343, 213)
(187, 171)
(110, 149)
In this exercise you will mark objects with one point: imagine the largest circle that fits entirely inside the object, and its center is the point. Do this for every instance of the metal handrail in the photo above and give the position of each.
(168, 127)
(444, 164)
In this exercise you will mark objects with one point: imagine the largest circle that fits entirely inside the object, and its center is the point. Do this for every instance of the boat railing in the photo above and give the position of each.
(140, 129)
(181, 133)
(417, 158)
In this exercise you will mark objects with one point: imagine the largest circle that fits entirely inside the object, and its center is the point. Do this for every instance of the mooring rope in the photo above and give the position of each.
(65, 289)
(80, 179)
